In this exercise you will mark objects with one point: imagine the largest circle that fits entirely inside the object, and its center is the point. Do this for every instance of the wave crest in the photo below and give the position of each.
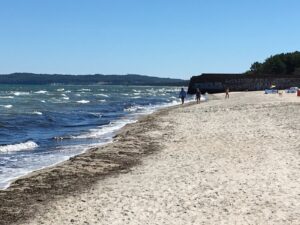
(83, 101)
(29, 145)
(7, 106)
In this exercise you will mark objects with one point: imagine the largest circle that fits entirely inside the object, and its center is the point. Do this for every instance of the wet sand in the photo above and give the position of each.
(219, 162)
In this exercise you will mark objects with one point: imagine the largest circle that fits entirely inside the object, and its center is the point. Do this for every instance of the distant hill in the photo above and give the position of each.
(129, 79)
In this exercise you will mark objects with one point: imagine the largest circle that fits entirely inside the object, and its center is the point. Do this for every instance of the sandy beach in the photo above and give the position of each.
(232, 161)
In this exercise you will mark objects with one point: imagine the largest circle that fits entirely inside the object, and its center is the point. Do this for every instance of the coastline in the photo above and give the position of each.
(52, 133)
(221, 162)
(27, 194)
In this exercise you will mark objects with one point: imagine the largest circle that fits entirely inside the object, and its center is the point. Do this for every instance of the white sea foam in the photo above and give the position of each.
(83, 101)
(65, 97)
(134, 109)
(43, 101)
(60, 89)
(41, 92)
(6, 106)
(102, 100)
(103, 95)
(37, 113)
(29, 145)
(18, 93)
(84, 89)
(150, 90)
(104, 131)
(55, 100)
(7, 97)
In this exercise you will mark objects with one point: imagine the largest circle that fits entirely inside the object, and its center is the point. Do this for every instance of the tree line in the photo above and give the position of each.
(280, 64)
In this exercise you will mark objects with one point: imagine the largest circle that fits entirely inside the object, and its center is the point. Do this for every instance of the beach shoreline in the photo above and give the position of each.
(58, 122)
(221, 162)
(27, 194)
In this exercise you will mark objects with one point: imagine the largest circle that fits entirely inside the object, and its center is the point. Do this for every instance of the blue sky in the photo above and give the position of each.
(167, 38)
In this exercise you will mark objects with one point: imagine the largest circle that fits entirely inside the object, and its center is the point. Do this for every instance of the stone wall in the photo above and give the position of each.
(239, 82)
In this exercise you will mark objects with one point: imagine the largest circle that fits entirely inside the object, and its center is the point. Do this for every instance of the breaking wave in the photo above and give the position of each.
(83, 101)
(29, 145)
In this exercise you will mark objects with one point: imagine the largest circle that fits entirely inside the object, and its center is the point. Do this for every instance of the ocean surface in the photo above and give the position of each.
(41, 125)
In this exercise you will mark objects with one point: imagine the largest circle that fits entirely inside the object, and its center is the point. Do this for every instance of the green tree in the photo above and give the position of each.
(256, 67)
(274, 65)
(284, 63)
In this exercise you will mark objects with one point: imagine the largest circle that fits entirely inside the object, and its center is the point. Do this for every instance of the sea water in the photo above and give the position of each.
(41, 125)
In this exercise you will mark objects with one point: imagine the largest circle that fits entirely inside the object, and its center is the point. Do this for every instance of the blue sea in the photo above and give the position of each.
(41, 125)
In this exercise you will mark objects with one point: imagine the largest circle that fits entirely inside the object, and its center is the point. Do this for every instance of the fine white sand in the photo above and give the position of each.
(230, 161)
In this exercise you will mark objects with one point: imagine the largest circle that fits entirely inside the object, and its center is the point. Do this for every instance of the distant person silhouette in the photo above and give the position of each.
(227, 93)
(198, 95)
(182, 95)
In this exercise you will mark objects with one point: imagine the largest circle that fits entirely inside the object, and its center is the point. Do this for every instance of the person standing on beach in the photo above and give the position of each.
(198, 95)
(182, 95)
(227, 93)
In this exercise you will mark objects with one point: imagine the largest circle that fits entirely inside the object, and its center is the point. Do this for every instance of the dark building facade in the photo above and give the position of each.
(215, 83)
